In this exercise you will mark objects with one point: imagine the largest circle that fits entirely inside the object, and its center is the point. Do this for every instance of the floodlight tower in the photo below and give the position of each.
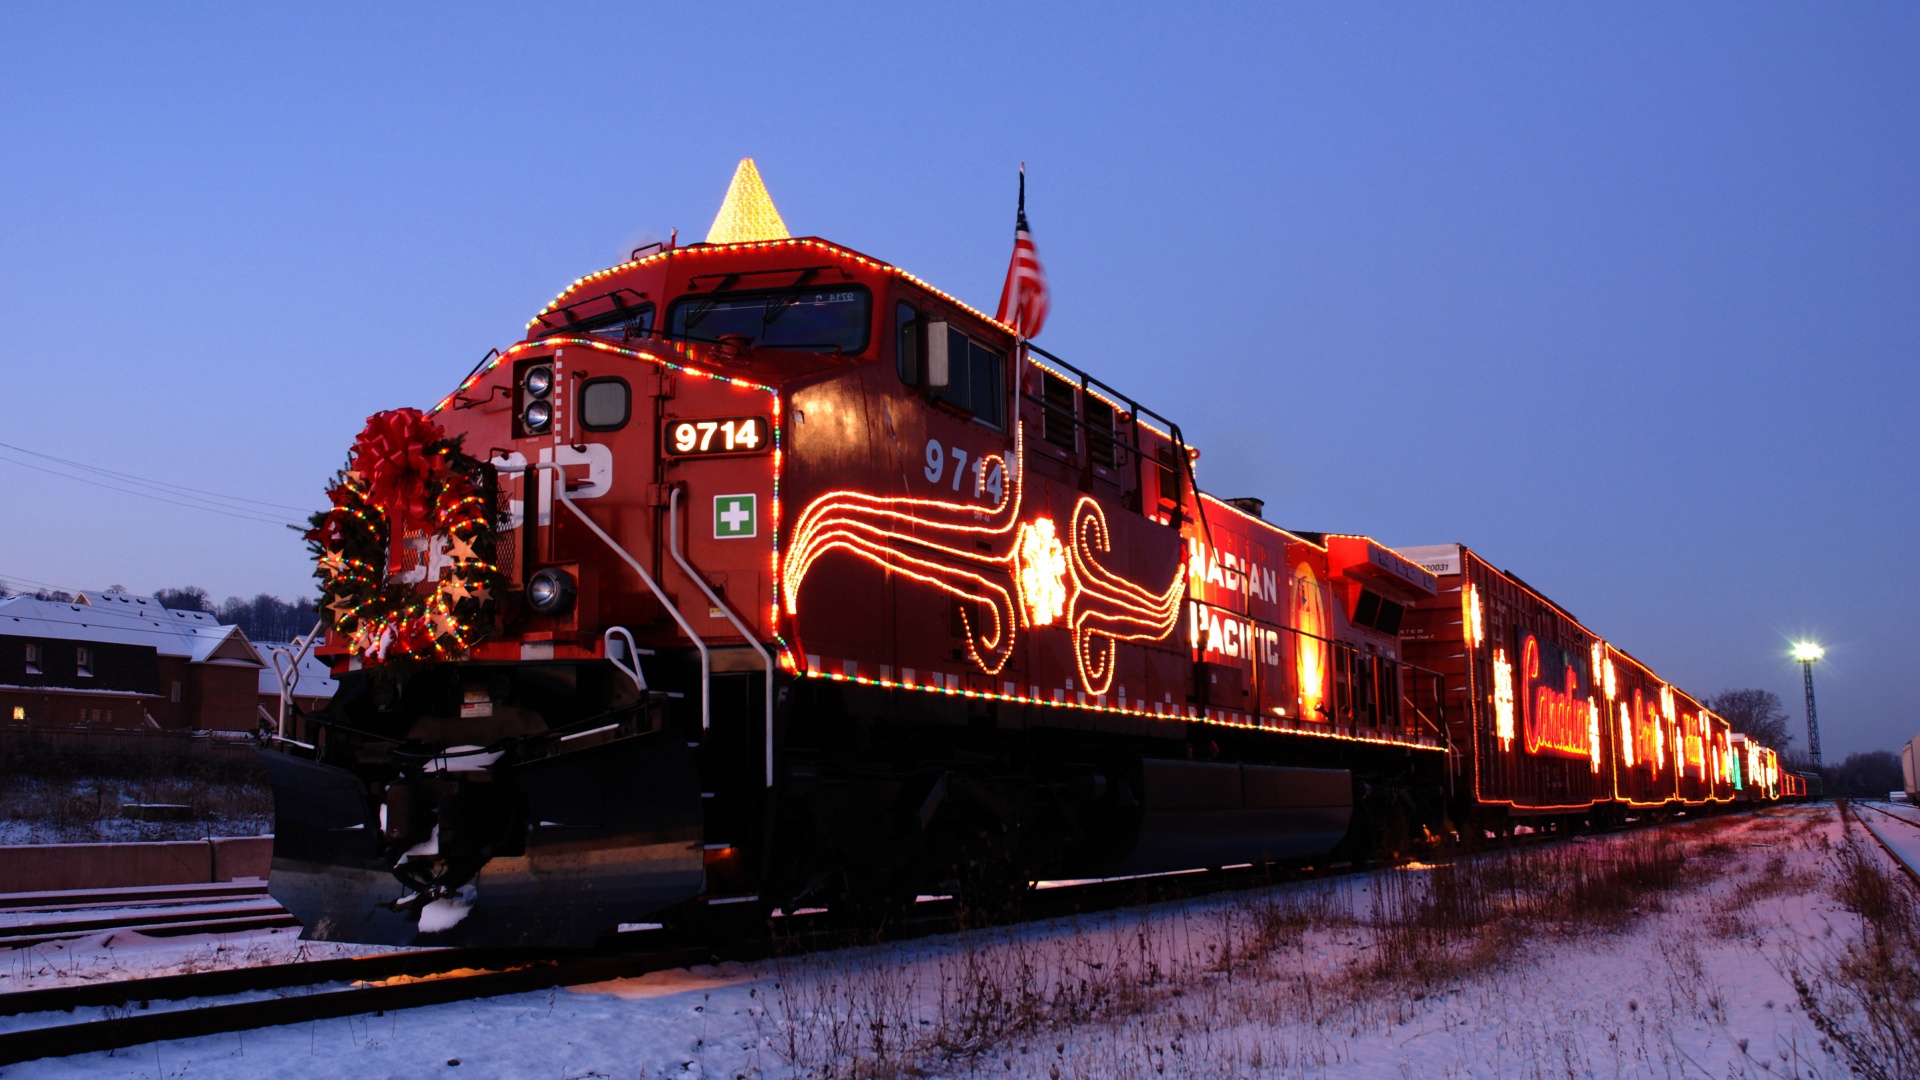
(1807, 652)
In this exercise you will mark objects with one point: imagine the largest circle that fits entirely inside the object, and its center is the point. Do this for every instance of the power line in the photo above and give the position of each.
(212, 508)
(179, 488)
(15, 579)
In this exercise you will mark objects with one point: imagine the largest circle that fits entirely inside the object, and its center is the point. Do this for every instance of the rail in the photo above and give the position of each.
(766, 658)
(440, 976)
(1906, 864)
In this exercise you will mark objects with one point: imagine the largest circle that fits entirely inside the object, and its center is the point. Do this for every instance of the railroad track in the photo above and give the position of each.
(319, 990)
(1904, 851)
(28, 919)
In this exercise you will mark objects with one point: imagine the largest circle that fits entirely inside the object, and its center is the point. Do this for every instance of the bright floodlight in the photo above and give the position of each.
(1806, 652)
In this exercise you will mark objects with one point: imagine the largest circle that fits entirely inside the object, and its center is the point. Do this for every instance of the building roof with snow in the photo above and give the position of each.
(126, 619)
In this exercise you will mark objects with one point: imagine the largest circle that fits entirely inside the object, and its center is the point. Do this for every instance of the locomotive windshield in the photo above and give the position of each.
(621, 323)
(805, 320)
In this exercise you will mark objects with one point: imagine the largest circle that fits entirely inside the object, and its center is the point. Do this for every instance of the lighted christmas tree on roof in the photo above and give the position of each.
(748, 213)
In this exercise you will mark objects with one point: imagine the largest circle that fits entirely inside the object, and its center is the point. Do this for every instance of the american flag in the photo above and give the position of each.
(1023, 299)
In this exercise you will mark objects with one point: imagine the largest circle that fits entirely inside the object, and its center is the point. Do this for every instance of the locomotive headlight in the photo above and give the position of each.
(550, 591)
(539, 381)
(538, 417)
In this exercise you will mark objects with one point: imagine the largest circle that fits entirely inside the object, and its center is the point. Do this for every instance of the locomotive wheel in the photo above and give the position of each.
(721, 923)
(991, 892)
(1383, 825)
(873, 899)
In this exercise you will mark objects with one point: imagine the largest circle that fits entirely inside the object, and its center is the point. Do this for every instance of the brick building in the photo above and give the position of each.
(114, 660)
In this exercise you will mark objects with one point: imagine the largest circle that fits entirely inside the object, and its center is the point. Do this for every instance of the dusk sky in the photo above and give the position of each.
(1627, 298)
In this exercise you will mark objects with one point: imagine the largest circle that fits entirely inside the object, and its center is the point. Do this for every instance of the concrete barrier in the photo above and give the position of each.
(51, 867)
(236, 857)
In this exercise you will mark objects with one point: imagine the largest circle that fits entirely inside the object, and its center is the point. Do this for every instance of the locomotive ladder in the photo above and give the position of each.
(766, 658)
(672, 609)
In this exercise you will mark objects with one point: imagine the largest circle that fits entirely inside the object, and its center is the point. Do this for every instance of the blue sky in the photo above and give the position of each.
(1625, 297)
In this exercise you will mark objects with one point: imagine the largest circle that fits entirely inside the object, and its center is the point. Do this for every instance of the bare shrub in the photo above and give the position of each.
(53, 794)
(1866, 1000)
(1249, 983)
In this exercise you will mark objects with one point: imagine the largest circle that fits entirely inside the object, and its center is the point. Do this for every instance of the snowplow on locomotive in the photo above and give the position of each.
(763, 574)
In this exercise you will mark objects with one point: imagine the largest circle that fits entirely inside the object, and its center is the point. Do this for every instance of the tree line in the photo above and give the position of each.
(1760, 715)
(263, 618)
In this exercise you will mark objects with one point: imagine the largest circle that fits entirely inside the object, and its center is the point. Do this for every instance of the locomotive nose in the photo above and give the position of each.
(554, 851)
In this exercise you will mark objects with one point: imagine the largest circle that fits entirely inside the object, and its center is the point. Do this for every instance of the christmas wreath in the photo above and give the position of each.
(405, 556)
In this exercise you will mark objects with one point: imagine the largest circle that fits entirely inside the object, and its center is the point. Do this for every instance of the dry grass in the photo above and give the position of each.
(1472, 916)
(1258, 983)
(1866, 998)
(49, 796)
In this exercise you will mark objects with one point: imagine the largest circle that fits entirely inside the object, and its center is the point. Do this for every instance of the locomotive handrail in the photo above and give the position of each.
(1134, 411)
(289, 676)
(1412, 716)
(706, 659)
(673, 547)
(623, 636)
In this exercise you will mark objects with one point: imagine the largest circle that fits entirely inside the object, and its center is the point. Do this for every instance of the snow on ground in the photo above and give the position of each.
(1682, 971)
(1899, 826)
(125, 954)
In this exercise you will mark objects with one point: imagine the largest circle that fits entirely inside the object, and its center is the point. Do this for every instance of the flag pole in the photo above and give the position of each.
(1020, 222)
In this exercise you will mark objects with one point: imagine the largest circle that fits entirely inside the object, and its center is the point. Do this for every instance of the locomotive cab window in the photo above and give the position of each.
(620, 324)
(605, 404)
(803, 320)
(907, 343)
(976, 374)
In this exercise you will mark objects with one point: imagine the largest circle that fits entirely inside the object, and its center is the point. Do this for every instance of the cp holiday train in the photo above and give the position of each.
(762, 574)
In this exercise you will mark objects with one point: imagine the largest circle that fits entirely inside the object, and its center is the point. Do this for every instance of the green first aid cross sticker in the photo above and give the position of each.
(735, 516)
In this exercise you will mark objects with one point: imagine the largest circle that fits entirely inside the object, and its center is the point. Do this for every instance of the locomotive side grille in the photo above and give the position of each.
(506, 545)
(1058, 394)
(1099, 419)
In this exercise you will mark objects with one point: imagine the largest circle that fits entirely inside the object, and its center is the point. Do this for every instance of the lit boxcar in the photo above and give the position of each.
(1695, 742)
(1550, 719)
(1522, 702)
(1757, 777)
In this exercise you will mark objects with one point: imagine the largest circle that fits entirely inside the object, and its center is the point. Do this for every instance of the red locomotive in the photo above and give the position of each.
(764, 574)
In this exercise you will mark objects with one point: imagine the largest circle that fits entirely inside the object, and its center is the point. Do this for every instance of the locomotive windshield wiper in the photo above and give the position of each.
(778, 304)
(811, 346)
(704, 306)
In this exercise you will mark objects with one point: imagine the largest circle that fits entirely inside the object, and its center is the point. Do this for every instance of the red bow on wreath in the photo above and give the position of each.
(391, 453)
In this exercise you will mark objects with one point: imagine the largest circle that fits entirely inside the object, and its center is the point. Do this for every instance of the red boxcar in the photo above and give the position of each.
(1550, 719)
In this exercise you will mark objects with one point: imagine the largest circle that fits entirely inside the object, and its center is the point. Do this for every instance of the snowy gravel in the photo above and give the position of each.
(1696, 987)
(124, 954)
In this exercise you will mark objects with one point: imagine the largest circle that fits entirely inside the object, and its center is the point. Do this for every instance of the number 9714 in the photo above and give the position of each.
(726, 435)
